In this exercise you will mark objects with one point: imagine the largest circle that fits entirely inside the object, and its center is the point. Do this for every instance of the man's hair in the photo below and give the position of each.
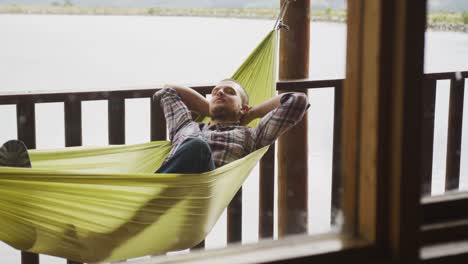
(243, 94)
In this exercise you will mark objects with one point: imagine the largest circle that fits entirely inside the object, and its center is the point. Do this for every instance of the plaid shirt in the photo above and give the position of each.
(230, 141)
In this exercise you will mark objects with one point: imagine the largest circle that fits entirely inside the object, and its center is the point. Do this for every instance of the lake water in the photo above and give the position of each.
(112, 52)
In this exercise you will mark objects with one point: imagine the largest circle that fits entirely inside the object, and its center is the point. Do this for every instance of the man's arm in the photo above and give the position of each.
(176, 112)
(194, 101)
(261, 110)
(279, 114)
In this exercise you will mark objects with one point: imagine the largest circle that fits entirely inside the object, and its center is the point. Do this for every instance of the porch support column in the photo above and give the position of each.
(292, 146)
(383, 125)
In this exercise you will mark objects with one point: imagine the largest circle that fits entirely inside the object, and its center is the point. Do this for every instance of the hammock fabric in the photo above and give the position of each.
(103, 204)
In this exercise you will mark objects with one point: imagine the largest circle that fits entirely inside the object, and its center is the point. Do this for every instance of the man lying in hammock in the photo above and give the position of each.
(200, 147)
(197, 147)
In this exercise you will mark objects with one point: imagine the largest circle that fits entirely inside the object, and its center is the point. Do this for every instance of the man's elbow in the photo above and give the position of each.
(168, 85)
(301, 101)
(166, 90)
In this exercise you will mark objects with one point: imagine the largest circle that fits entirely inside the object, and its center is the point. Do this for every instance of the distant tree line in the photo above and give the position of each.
(64, 3)
(441, 5)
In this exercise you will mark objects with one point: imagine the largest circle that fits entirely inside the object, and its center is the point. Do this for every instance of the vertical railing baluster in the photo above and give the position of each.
(116, 117)
(234, 218)
(266, 196)
(26, 125)
(158, 122)
(429, 100)
(73, 125)
(200, 245)
(29, 258)
(452, 173)
(73, 130)
(26, 120)
(337, 186)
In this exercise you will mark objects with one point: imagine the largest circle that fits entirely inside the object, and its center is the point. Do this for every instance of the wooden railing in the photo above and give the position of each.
(454, 133)
(72, 100)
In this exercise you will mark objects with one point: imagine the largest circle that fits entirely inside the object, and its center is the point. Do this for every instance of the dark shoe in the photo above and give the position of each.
(14, 154)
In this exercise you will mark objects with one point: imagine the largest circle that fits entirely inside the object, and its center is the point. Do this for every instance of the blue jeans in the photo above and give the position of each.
(193, 156)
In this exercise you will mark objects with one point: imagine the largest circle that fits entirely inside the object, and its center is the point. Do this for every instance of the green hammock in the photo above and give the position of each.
(103, 204)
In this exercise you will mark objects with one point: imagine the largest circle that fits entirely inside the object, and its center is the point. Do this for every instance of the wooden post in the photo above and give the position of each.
(383, 119)
(409, 20)
(292, 146)
(359, 115)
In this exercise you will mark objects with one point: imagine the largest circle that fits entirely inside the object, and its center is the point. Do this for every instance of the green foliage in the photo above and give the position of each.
(328, 12)
(465, 17)
(67, 3)
(14, 8)
(446, 17)
(438, 19)
(151, 11)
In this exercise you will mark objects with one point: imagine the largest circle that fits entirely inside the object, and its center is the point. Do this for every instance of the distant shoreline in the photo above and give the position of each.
(437, 21)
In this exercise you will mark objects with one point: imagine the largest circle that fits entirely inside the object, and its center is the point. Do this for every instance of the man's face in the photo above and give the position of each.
(226, 101)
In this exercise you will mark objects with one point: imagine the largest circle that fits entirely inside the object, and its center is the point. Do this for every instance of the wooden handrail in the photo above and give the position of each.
(88, 95)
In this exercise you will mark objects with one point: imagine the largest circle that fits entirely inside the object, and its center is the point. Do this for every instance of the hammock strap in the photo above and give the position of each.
(279, 21)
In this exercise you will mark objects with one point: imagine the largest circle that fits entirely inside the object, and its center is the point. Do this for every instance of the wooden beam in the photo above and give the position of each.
(307, 84)
(404, 158)
(351, 116)
(449, 253)
(382, 117)
(444, 232)
(443, 208)
(457, 258)
(368, 127)
(329, 248)
(292, 146)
